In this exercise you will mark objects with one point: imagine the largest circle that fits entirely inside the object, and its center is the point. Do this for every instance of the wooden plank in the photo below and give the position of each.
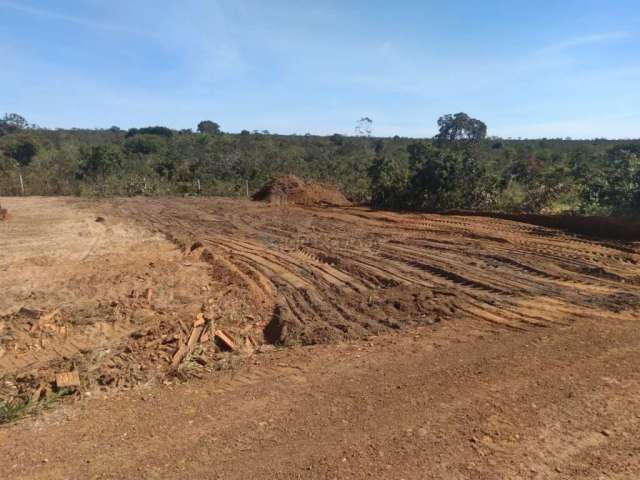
(226, 340)
(68, 379)
(194, 337)
(179, 355)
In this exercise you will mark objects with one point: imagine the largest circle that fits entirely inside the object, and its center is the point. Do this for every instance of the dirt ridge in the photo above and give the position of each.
(290, 189)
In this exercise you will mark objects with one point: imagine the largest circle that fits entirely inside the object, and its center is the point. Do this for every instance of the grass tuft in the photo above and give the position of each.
(10, 411)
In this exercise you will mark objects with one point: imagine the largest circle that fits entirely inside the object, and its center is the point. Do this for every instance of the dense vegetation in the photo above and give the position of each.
(459, 168)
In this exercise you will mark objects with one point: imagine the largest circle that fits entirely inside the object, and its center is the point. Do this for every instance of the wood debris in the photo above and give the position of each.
(68, 379)
(179, 355)
(195, 337)
(202, 331)
(226, 340)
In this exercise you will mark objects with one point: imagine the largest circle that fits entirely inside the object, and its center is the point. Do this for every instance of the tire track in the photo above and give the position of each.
(509, 274)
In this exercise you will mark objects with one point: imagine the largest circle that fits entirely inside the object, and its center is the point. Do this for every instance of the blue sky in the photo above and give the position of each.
(528, 69)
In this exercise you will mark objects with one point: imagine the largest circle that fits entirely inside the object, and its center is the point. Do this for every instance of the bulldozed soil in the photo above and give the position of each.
(478, 340)
(78, 294)
(290, 189)
(128, 291)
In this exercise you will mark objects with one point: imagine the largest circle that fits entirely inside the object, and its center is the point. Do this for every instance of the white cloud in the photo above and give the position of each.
(84, 22)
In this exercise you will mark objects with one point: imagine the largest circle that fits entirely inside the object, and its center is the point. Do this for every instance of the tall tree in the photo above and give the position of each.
(11, 123)
(364, 127)
(460, 128)
(207, 126)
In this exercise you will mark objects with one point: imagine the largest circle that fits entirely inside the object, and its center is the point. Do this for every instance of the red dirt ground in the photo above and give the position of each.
(455, 346)
(290, 189)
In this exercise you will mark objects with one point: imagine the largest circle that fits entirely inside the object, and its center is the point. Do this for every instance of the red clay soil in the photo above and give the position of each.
(290, 189)
(109, 301)
(457, 401)
(455, 346)
(119, 303)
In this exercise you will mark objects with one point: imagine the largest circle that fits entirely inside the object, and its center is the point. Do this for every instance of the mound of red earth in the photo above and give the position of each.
(290, 189)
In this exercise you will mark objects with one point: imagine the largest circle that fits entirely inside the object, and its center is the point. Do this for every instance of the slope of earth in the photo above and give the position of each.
(342, 273)
(454, 401)
(113, 289)
(290, 189)
(80, 292)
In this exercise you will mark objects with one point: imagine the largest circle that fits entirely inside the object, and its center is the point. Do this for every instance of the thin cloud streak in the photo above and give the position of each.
(583, 41)
(84, 22)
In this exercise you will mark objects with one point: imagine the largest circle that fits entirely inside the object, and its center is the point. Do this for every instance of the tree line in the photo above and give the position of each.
(458, 168)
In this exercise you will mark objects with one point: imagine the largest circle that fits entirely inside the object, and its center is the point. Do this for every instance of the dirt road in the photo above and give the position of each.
(422, 346)
(455, 401)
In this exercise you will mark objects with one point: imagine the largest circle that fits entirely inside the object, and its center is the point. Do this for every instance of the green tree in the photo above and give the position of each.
(160, 131)
(389, 177)
(337, 139)
(11, 123)
(8, 167)
(22, 148)
(448, 178)
(436, 176)
(207, 126)
(364, 127)
(99, 161)
(618, 190)
(144, 144)
(460, 128)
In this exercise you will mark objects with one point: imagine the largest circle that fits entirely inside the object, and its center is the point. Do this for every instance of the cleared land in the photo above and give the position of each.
(456, 346)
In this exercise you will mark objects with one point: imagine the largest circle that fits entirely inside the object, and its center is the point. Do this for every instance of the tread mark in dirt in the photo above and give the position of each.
(495, 269)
